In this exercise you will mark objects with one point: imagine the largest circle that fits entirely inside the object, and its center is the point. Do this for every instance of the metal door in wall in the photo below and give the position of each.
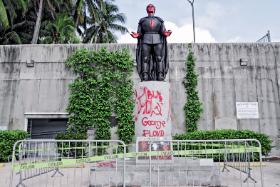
(46, 128)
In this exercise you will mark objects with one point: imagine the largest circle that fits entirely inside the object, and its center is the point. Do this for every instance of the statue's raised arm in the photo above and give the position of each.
(151, 54)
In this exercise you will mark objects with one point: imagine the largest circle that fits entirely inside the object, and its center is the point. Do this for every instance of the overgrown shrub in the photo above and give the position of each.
(102, 88)
(193, 107)
(228, 134)
(79, 149)
(71, 136)
(71, 149)
(7, 140)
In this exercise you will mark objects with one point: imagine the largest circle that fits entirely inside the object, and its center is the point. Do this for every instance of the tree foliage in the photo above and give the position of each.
(12, 17)
(103, 88)
(193, 107)
(61, 30)
(40, 21)
(4, 22)
(103, 22)
(7, 140)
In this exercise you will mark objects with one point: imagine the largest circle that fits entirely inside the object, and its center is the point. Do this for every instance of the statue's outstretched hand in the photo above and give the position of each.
(167, 33)
(135, 34)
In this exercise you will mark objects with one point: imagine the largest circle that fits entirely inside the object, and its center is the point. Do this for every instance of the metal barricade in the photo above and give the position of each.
(156, 162)
(68, 163)
(203, 163)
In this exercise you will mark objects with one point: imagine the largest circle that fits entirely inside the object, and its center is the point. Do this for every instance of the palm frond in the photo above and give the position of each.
(3, 16)
(78, 12)
(94, 10)
(22, 5)
(90, 33)
(112, 38)
(118, 18)
(103, 20)
(11, 12)
(12, 38)
(116, 27)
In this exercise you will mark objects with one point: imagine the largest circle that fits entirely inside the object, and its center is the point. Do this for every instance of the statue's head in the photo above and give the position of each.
(151, 9)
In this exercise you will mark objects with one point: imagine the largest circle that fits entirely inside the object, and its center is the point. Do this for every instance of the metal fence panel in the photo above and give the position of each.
(204, 163)
(156, 162)
(68, 163)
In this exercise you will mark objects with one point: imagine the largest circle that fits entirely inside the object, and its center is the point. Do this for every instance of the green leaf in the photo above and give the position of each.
(3, 16)
(102, 87)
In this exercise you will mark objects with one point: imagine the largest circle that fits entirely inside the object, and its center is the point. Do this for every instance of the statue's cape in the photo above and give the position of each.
(153, 64)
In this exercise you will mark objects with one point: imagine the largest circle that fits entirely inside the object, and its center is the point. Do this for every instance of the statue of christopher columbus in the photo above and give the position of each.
(151, 53)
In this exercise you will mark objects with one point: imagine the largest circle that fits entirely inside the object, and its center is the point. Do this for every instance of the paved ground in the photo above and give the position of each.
(4, 174)
(271, 176)
(271, 173)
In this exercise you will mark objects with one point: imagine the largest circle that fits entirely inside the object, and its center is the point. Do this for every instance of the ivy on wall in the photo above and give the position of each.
(193, 107)
(103, 88)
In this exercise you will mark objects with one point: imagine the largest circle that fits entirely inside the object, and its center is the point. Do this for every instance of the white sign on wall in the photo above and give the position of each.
(247, 110)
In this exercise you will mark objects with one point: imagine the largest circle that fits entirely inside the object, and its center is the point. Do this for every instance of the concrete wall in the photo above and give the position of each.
(34, 80)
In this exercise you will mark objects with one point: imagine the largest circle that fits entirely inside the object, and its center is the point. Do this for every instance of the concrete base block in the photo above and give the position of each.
(183, 172)
(152, 109)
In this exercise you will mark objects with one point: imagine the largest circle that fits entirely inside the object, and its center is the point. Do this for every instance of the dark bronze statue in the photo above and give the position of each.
(151, 53)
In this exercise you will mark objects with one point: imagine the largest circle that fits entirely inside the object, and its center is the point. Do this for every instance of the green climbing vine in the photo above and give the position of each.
(103, 87)
(193, 107)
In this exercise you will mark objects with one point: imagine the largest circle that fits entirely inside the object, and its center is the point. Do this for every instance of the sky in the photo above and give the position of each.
(222, 21)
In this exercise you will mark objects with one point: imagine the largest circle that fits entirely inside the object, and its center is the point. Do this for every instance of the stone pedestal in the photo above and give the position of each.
(183, 172)
(152, 109)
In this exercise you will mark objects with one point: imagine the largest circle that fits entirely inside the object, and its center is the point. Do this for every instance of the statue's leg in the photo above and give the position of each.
(146, 51)
(159, 60)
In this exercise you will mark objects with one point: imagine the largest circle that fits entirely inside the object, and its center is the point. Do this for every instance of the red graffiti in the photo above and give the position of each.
(152, 23)
(157, 123)
(166, 157)
(154, 133)
(106, 164)
(148, 102)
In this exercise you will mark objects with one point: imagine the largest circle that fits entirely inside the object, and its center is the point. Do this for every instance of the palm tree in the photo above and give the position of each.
(12, 16)
(45, 8)
(79, 14)
(102, 22)
(33, 21)
(10, 38)
(38, 23)
(4, 22)
(81, 10)
(61, 30)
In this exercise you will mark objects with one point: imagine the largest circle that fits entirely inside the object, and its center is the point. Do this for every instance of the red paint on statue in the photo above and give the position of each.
(148, 102)
(152, 23)
(157, 123)
(153, 133)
